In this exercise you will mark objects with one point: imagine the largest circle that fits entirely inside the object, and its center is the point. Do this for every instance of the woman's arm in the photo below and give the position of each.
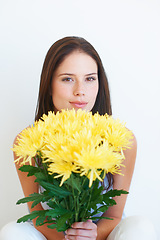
(29, 187)
(105, 226)
(120, 182)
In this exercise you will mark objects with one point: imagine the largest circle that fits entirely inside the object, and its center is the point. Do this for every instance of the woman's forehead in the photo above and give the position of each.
(77, 62)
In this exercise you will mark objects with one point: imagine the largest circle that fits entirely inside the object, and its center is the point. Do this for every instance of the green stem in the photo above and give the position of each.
(77, 207)
(75, 198)
(42, 164)
(84, 180)
(45, 170)
(36, 163)
(86, 209)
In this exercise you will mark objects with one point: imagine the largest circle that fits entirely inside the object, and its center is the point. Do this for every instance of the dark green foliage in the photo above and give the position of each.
(32, 215)
(30, 169)
(73, 201)
(36, 198)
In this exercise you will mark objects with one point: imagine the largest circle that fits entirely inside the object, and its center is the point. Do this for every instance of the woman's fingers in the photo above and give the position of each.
(85, 225)
(78, 238)
(82, 230)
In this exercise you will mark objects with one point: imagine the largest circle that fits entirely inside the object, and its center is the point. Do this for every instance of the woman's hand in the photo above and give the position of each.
(82, 231)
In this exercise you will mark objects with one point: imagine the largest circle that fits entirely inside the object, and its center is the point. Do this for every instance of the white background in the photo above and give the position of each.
(126, 33)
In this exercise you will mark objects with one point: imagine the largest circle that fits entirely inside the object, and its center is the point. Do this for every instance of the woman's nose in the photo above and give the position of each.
(79, 89)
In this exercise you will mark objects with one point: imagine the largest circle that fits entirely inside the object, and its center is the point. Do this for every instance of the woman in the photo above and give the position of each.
(73, 77)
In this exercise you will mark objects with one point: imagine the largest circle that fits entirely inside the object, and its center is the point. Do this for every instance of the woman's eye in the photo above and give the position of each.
(67, 79)
(91, 78)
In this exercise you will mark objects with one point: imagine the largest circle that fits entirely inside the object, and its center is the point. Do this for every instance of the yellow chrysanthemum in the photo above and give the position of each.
(91, 160)
(117, 134)
(29, 141)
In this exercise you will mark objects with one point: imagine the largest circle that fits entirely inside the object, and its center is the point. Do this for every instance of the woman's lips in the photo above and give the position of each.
(78, 104)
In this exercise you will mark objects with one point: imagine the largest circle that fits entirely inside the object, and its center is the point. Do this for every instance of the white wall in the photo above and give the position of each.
(126, 34)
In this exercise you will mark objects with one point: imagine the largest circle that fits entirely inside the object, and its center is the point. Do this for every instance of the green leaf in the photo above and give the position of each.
(85, 181)
(97, 200)
(115, 192)
(109, 201)
(96, 189)
(96, 194)
(31, 216)
(35, 198)
(56, 190)
(57, 212)
(40, 199)
(40, 220)
(103, 208)
(61, 222)
(52, 226)
(74, 182)
(53, 203)
(95, 218)
(107, 197)
(30, 169)
(31, 198)
(40, 176)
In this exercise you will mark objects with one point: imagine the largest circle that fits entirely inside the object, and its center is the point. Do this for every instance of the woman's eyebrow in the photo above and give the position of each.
(71, 74)
(91, 74)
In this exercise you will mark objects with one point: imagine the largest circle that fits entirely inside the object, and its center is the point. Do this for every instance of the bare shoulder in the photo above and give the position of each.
(123, 181)
(129, 162)
(132, 151)
(134, 141)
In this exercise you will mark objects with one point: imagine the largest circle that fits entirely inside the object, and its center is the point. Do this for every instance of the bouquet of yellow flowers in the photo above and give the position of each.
(72, 153)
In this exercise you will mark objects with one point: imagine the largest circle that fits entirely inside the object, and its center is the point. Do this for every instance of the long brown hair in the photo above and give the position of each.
(55, 56)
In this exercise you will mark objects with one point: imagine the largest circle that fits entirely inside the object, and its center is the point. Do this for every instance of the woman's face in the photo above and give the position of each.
(75, 83)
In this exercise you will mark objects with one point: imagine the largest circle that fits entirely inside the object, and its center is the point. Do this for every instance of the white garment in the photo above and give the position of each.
(134, 228)
(131, 228)
(20, 231)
